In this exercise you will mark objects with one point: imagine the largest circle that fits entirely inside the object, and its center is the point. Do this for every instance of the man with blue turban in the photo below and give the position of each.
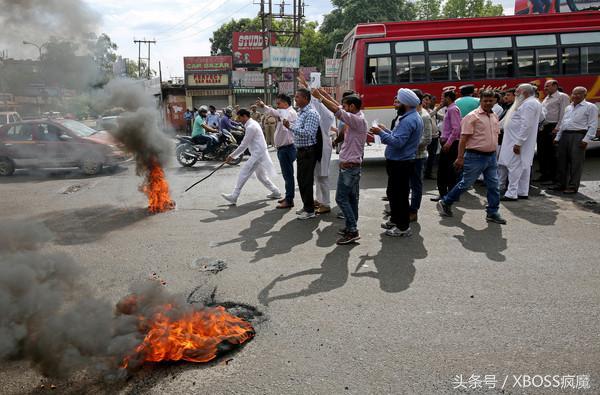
(400, 154)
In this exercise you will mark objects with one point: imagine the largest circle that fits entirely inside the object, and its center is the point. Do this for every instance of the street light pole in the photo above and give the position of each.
(39, 47)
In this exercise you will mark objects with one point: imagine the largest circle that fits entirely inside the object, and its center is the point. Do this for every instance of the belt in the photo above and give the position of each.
(348, 165)
(285, 146)
(307, 148)
(474, 151)
(574, 131)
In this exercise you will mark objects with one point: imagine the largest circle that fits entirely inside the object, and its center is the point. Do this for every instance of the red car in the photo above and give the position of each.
(57, 143)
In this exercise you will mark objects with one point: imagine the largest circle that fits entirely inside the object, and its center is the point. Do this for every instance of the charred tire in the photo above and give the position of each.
(183, 159)
(229, 150)
(7, 166)
(91, 167)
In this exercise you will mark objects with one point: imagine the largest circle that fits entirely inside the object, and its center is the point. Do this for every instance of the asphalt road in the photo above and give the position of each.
(461, 297)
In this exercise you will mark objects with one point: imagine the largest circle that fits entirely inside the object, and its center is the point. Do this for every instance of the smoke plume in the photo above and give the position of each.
(36, 21)
(48, 317)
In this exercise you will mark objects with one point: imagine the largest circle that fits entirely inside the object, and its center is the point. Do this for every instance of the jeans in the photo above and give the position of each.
(347, 194)
(287, 156)
(476, 164)
(307, 160)
(416, 185)
(399, 172)
(546, 152)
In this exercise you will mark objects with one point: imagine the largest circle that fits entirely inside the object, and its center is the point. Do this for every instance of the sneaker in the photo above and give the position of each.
(300, 212)
(444, 209)
(229, 197)
(341, 215)
(306, 215)
(274, 195)
(349, 237)
(395, 232)
(342, 231)
(495, 218)
(388, 225)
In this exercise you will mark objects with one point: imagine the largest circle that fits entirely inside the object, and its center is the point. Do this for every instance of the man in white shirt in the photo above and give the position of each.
(259, 162)
(284, 142)
(555, 104)
(518, 144)
(578, 128)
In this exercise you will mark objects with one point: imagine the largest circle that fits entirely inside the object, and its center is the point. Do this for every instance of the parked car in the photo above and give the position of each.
(57, 143)
(9, 117)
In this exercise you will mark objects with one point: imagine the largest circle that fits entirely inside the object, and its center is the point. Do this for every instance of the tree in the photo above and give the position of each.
(103, 51)
(471, 8)
(348, 13)
(313, 46)
(427, 9)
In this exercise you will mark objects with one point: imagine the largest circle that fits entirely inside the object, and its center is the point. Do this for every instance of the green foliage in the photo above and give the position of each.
(427, 9)
(471, 8)
(221, 41)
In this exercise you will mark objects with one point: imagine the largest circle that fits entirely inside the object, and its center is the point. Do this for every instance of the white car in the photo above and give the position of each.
(9, 117)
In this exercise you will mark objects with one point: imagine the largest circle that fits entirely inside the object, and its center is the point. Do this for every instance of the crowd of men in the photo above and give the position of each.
(487, 135)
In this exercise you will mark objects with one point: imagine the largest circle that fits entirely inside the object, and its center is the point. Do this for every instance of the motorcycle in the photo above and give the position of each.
(188, 153)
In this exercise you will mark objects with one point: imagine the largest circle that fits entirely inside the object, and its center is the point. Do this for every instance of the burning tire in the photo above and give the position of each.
(7, 167)
(185, 156)
(91, 167)
(229, 150)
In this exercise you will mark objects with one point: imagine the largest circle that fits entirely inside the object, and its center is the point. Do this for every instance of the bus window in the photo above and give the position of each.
(378, 49)
(409, 47)
(492, 64)
(459, 66)
(526, 63)
(570, 60)
(547, 62)
(492, 42)
(448, 45)
(536, 41)
(438, 67)
(410, 68)
(379, 71)
(590, 60)
(580, 38)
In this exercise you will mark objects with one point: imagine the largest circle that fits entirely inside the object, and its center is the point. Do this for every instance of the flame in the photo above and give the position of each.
(197, 336)
(156, 188)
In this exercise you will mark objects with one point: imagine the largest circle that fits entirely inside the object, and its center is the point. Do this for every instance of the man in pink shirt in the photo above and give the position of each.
(477, 155)
(447, 175)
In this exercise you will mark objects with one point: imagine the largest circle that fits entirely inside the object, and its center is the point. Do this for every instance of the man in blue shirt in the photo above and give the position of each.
(227, 123)
(305, 130)
(213, 119)
(400, 153)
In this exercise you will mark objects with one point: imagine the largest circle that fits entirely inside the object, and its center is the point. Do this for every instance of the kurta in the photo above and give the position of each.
(521, 130)
(254, 141)
(326, 123)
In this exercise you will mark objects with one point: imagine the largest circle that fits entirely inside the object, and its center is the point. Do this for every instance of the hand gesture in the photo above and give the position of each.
(260, 103)
(517, 149)
(286, 123)
(317, 94)
(376, 130)
(229, 159)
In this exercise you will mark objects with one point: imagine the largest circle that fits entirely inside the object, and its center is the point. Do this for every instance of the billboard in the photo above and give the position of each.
(276, 57)
(207, 79)
(332, 66)
(523, 7)
(207, 63)
(247, 48)
(247, 79)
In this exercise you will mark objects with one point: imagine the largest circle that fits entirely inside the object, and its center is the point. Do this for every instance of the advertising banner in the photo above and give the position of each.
(275, 57)
(205, 79)
(207, 63)
(247, 48)
(523, 7)
(247, 79)
(332, 67)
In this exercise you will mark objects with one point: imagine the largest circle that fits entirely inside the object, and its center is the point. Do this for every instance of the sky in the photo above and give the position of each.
(182, 27)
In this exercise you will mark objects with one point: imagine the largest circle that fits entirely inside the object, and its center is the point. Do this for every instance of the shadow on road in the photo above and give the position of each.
(86, 225)
(292, 234)
(259, 228)
(394, 263)
(225, 212)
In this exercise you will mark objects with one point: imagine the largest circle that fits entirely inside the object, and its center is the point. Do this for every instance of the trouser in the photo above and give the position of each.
(546, 152)
(570, 159)
(399, 172)
(287, 156)
(416, 185)
(347, 195)
(322, 188)
(447, 176)
(541, 6)
(253, 166)
(307, 160)
(270, 133)
(188, 127)
(474, 165)
(204, 139)
(517, 174)
(432, 156)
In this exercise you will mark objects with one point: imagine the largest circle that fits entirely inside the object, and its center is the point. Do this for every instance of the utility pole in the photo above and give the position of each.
(140, 42)
(285, 34)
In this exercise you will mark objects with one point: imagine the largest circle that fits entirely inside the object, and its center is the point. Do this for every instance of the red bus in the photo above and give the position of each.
(496, 52)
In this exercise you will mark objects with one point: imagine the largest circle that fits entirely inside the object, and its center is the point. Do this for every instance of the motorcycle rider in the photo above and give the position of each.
(201, 127)
(213, 118)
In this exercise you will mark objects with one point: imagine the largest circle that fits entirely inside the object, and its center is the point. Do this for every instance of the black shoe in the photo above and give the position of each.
(524, 197)
(349, 237)
(435, 199)
(508, 199)
(444, 209)
(556, 187)
(495, 218)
